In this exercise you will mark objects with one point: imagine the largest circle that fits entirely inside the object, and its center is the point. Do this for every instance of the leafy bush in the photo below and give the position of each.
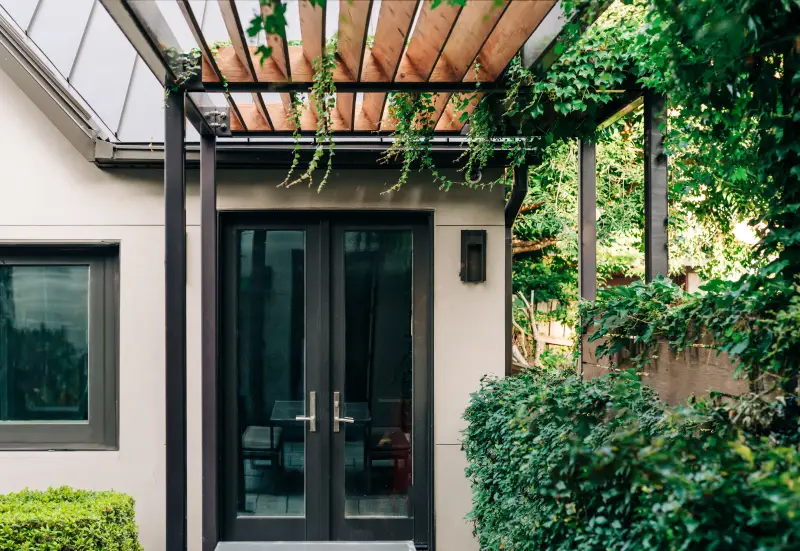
(558, 463)
(64, 519)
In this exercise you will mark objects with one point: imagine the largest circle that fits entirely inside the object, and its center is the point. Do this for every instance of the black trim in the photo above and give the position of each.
(175, 320)
(102, 429)
(319, 525)
(260, 155)
(209, 313)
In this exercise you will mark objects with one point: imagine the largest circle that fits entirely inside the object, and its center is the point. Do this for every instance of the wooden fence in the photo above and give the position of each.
(531, 339)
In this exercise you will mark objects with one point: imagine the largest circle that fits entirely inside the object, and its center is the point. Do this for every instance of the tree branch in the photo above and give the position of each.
(530, 208)
(519, 247)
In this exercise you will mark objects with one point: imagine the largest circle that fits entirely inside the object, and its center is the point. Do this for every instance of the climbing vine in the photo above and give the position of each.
(413, 116)
(323, 99)
(295, 112)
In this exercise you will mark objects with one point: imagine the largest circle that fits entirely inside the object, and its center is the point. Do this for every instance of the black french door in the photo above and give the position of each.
(326, 379)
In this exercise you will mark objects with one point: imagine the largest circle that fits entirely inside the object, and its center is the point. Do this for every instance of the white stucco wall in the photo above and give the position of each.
(49, 192)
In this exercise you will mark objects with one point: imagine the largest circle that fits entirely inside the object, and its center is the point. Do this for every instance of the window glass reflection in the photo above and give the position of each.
(271, 372)
(378, 316)
(44, 343)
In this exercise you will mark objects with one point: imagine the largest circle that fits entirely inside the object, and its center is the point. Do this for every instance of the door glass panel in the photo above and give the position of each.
(378, 372)
(270, 354)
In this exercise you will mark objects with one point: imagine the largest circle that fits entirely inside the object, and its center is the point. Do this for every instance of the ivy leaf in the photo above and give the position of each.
(263, 52)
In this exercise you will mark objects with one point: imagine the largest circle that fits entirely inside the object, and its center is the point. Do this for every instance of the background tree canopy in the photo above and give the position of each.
(712, 181)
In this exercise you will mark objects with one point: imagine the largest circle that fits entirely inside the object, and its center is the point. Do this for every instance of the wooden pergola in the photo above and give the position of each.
(417, 47)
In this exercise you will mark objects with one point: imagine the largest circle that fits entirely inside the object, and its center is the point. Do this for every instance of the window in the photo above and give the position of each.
(58, 357)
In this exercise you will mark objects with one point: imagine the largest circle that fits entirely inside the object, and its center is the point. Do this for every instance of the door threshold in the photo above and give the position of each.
(315, 546)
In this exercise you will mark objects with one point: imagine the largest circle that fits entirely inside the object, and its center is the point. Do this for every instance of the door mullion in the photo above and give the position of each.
(337, 368)
(319, 528)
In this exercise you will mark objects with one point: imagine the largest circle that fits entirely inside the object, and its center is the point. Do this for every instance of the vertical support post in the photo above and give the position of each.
(175, 319)
(587, 221)
(656, 259)
(209, 310)
(587, 229)
(519, 190)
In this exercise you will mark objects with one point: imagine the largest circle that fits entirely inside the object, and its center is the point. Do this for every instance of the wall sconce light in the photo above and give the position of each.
(473, 256)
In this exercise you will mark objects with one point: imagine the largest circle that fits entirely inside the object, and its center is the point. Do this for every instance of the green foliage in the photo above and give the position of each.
(271, 20)
(63, 519)
(323, 99)
(735, 67)
(755, 320)
(295, 112)
(558, 463)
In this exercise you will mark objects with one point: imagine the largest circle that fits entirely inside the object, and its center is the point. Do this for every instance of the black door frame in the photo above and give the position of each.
(241, 528)
(320, 522)
(359, 528)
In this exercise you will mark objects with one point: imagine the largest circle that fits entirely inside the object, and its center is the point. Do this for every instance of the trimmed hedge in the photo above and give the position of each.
(557, 463)
(64, 519)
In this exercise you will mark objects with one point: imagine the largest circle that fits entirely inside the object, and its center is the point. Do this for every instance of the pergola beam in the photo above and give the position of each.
(349, 86)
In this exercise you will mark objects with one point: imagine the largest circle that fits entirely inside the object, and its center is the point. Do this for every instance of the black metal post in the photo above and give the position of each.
(587, 221)
(209, 304)
(519, 190)
(175, 319)
(656, 255)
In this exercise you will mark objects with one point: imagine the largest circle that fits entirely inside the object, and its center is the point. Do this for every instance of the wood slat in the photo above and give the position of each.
(280, 54)
(369, 116)
(205, 52)
(518, 23)
(301, 70)
(345, 105)
(233, 25)
(352, 37)
(394, 24)
(427, 41)
(473, 27)
(255, 122)
(312, 29)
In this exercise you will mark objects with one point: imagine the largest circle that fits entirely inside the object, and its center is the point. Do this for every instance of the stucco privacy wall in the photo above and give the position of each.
(49, 192)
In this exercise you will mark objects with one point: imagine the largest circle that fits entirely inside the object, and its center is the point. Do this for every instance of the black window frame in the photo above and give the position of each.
(101, 430)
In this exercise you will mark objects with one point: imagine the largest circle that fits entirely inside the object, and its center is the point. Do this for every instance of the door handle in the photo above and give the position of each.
(337, 406)
(312, 412)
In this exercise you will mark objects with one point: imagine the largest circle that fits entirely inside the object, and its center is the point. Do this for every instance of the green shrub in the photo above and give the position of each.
(557, 463)
(64, 519)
